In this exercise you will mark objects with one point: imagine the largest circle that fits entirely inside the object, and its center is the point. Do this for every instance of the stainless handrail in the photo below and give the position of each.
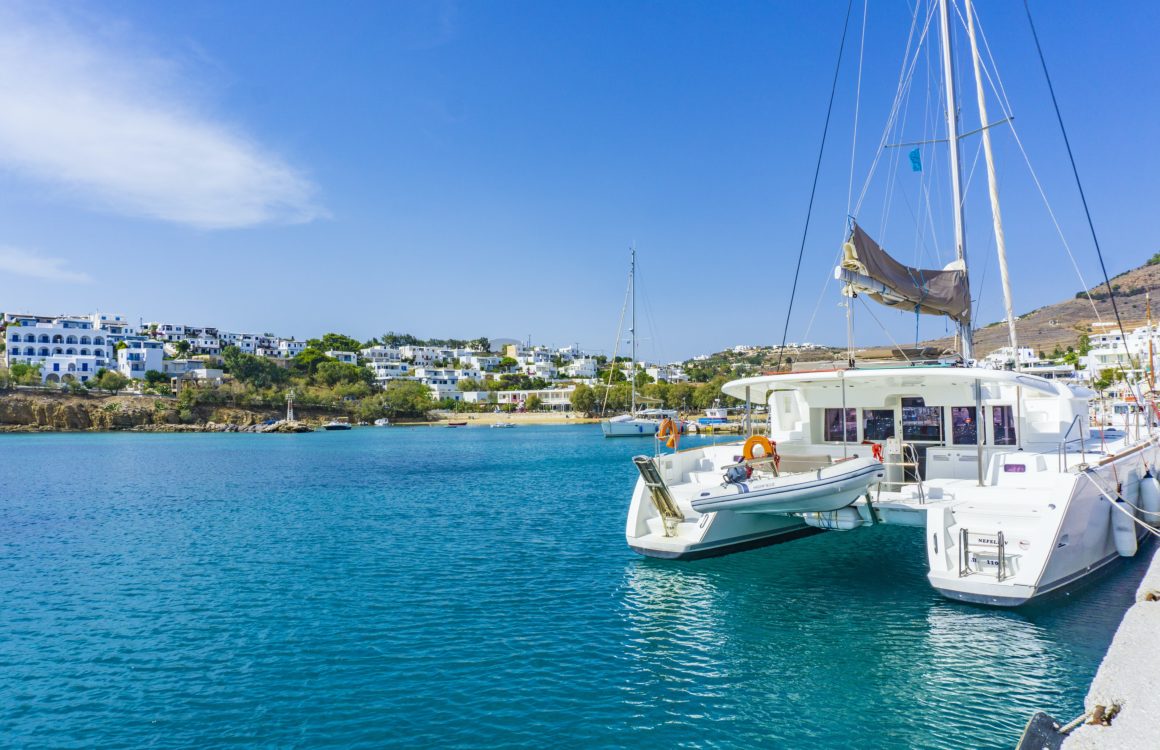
(1061, 462)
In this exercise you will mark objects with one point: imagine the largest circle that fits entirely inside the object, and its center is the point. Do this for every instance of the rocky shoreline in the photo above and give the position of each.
(61, 412)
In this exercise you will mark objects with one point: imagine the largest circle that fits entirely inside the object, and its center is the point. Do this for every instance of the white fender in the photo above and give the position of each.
(1123, 530)
(1150, 499)
(843, 519)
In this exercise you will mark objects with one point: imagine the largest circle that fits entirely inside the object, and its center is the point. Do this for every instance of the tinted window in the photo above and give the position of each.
(877, 424)
(1003, 424)
(964, 426)
(834, 425)
(920, 422)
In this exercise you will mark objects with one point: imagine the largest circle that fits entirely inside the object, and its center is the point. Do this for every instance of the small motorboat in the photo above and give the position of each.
(457, 424)
(382, 422)
(502, 425)
(337, 424)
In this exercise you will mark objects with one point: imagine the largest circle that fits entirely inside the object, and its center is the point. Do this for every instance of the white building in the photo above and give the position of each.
(349, 358)
(64, 347)
(381, 354)
(1004, 357)
(667, 374)
(289, 348)
(584, 367)
(386, 371)
(138, 356)
(556, 399)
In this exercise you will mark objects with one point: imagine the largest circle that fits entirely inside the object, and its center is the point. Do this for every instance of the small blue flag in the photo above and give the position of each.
(915, 161)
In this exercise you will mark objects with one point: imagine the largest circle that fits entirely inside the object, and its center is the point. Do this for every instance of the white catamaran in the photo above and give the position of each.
(1015, 496)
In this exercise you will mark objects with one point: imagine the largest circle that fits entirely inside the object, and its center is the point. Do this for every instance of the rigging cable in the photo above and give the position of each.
(1079, 185)
(814, 189)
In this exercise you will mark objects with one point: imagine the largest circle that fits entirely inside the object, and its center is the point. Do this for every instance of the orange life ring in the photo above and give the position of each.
(669, 428)
(768, 448)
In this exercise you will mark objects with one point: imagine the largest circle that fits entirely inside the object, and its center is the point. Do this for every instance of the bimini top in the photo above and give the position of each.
(902, 377)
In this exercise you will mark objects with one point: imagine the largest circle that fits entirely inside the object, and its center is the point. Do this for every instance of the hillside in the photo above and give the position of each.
(1062, 323)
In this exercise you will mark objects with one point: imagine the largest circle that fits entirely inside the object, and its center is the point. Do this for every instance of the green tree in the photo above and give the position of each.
(181, 348)
(680, 396)
(335, 342)
(258, 372)
(533, 403)
(153, 377)
(480, 344)
(1085, 344)
(308, 360)
(111, 381)
(406, 398)
(23, 373)
(333, 373)
(392, 339)
(469, 384)
(584, 399)
(507, 363)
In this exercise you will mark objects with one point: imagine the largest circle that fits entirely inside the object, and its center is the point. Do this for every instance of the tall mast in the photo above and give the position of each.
(632, 329)
(956, 175)
(993, 185)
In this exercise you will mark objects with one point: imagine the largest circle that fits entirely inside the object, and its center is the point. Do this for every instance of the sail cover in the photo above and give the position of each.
(868, 269)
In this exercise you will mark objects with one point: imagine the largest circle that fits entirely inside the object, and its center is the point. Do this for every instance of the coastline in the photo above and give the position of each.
(41, 412)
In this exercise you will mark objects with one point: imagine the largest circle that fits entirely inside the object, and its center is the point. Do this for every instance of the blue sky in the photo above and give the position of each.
(465, 169)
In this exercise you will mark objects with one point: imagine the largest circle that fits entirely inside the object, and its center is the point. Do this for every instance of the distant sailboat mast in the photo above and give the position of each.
(956, 174)
(632, 328)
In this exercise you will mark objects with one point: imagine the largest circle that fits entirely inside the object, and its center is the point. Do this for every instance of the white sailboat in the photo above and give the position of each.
(1015, 498)
(645, 422)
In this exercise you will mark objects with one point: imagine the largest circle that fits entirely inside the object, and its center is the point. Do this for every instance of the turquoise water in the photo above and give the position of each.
(472, 587)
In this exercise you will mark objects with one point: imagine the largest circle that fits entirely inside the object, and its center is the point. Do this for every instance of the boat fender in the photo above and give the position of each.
(767, 446)
(1150, 499)
(1123, 529)
(669, 429)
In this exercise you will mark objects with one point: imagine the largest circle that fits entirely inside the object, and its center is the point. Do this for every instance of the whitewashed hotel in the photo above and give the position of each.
(65, 348)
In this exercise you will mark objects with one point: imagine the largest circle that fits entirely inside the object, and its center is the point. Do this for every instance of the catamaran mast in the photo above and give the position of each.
(992, 184)
(632, 329)
(956, 175)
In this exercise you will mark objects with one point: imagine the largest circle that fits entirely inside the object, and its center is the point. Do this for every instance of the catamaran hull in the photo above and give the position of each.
(821, 491)
(1065, 544)
(779, 535)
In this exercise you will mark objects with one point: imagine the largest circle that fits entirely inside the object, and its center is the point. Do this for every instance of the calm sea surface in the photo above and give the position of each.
(472, 587)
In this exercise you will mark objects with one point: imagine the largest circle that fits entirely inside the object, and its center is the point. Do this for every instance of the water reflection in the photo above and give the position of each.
(818, 641)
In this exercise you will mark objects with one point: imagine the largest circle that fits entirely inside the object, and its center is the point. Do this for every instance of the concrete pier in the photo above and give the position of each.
(1126, 690)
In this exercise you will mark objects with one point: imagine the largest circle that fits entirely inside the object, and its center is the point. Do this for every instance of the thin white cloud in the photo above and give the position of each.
(19, 262)
(113, 124)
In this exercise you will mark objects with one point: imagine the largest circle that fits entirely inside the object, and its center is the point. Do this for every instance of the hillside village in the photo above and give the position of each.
(399, 374)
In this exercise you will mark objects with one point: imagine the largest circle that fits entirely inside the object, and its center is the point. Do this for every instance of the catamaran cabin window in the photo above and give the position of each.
(1003, 424)
(920, 422)
(834, 426)
(877, 424)
(964, 426)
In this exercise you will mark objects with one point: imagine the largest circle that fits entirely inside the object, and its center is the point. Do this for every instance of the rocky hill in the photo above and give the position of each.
(1062, 323)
